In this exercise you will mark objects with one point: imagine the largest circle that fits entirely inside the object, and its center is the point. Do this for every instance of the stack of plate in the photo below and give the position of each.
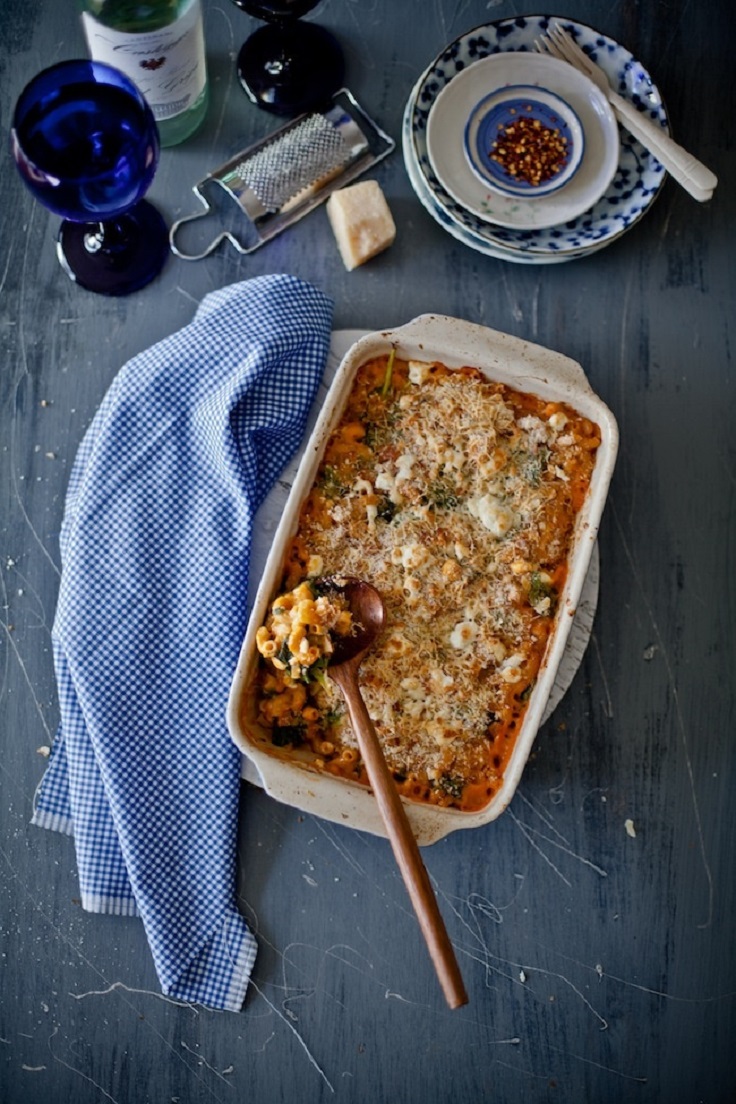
(617, 179)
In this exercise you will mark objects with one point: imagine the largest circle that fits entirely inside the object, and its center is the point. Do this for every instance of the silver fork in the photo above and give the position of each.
(692, 174)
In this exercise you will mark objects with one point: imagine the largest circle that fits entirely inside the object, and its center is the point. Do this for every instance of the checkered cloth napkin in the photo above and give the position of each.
(155, 544)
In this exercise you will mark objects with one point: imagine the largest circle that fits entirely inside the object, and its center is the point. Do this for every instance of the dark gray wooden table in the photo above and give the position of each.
(599, 958)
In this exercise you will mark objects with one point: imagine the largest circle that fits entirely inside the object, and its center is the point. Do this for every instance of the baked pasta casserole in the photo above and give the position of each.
(456, 497)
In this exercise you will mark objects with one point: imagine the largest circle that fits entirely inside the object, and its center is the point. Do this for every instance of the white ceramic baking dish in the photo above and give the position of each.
(502, 358)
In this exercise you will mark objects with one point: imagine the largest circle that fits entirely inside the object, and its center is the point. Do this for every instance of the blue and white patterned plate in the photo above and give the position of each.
(635, 185)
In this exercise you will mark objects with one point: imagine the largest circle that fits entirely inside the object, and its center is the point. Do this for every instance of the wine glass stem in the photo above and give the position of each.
(109, 237)
(118, 255)
(94, 241)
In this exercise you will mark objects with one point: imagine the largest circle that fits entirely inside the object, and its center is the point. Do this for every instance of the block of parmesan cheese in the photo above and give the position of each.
(361, 222)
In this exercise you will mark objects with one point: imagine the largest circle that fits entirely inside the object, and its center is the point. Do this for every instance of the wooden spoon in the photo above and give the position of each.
(368, 612)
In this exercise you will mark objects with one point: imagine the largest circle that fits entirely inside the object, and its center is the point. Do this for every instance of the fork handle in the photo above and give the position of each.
(692, 174)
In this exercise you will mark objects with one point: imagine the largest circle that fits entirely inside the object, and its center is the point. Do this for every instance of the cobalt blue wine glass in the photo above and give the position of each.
(288, 66)
(86, 145)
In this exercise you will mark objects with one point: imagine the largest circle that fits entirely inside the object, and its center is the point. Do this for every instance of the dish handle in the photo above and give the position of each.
(459, 342)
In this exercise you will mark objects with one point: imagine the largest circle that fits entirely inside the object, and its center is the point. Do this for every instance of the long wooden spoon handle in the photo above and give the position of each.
(404, 844)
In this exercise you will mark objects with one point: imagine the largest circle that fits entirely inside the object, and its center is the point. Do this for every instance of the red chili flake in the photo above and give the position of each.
(530, 151)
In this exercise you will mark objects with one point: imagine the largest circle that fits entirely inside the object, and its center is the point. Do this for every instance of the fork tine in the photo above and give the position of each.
(557, 43)
(547, 44)
(575, 51)
(566, 48)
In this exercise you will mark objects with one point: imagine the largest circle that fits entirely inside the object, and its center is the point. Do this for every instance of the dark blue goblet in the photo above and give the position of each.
(86, 145)
(288, 66)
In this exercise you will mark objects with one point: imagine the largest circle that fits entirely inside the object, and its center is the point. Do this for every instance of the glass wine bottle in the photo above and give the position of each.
(159, 44)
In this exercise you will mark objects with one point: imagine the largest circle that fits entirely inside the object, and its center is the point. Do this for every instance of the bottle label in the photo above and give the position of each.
(167, 65)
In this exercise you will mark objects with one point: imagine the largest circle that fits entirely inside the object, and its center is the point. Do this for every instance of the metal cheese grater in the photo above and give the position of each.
(281, 178)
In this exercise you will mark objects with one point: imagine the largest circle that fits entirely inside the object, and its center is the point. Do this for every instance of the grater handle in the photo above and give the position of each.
(225, 235)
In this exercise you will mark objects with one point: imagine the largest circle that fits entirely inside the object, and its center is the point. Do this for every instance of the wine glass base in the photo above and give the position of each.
(133, 251)
(291, 69)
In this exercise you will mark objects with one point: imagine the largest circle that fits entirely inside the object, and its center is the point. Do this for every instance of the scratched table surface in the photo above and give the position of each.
(594, 920)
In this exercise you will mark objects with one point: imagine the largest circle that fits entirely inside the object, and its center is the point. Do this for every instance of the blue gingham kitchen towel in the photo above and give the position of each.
(151, 614)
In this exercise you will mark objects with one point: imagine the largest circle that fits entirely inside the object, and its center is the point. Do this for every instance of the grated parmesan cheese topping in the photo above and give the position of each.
(456, 497)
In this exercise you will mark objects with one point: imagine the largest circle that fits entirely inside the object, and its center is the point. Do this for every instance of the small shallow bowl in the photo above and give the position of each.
(498, 113)
(510, 360)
